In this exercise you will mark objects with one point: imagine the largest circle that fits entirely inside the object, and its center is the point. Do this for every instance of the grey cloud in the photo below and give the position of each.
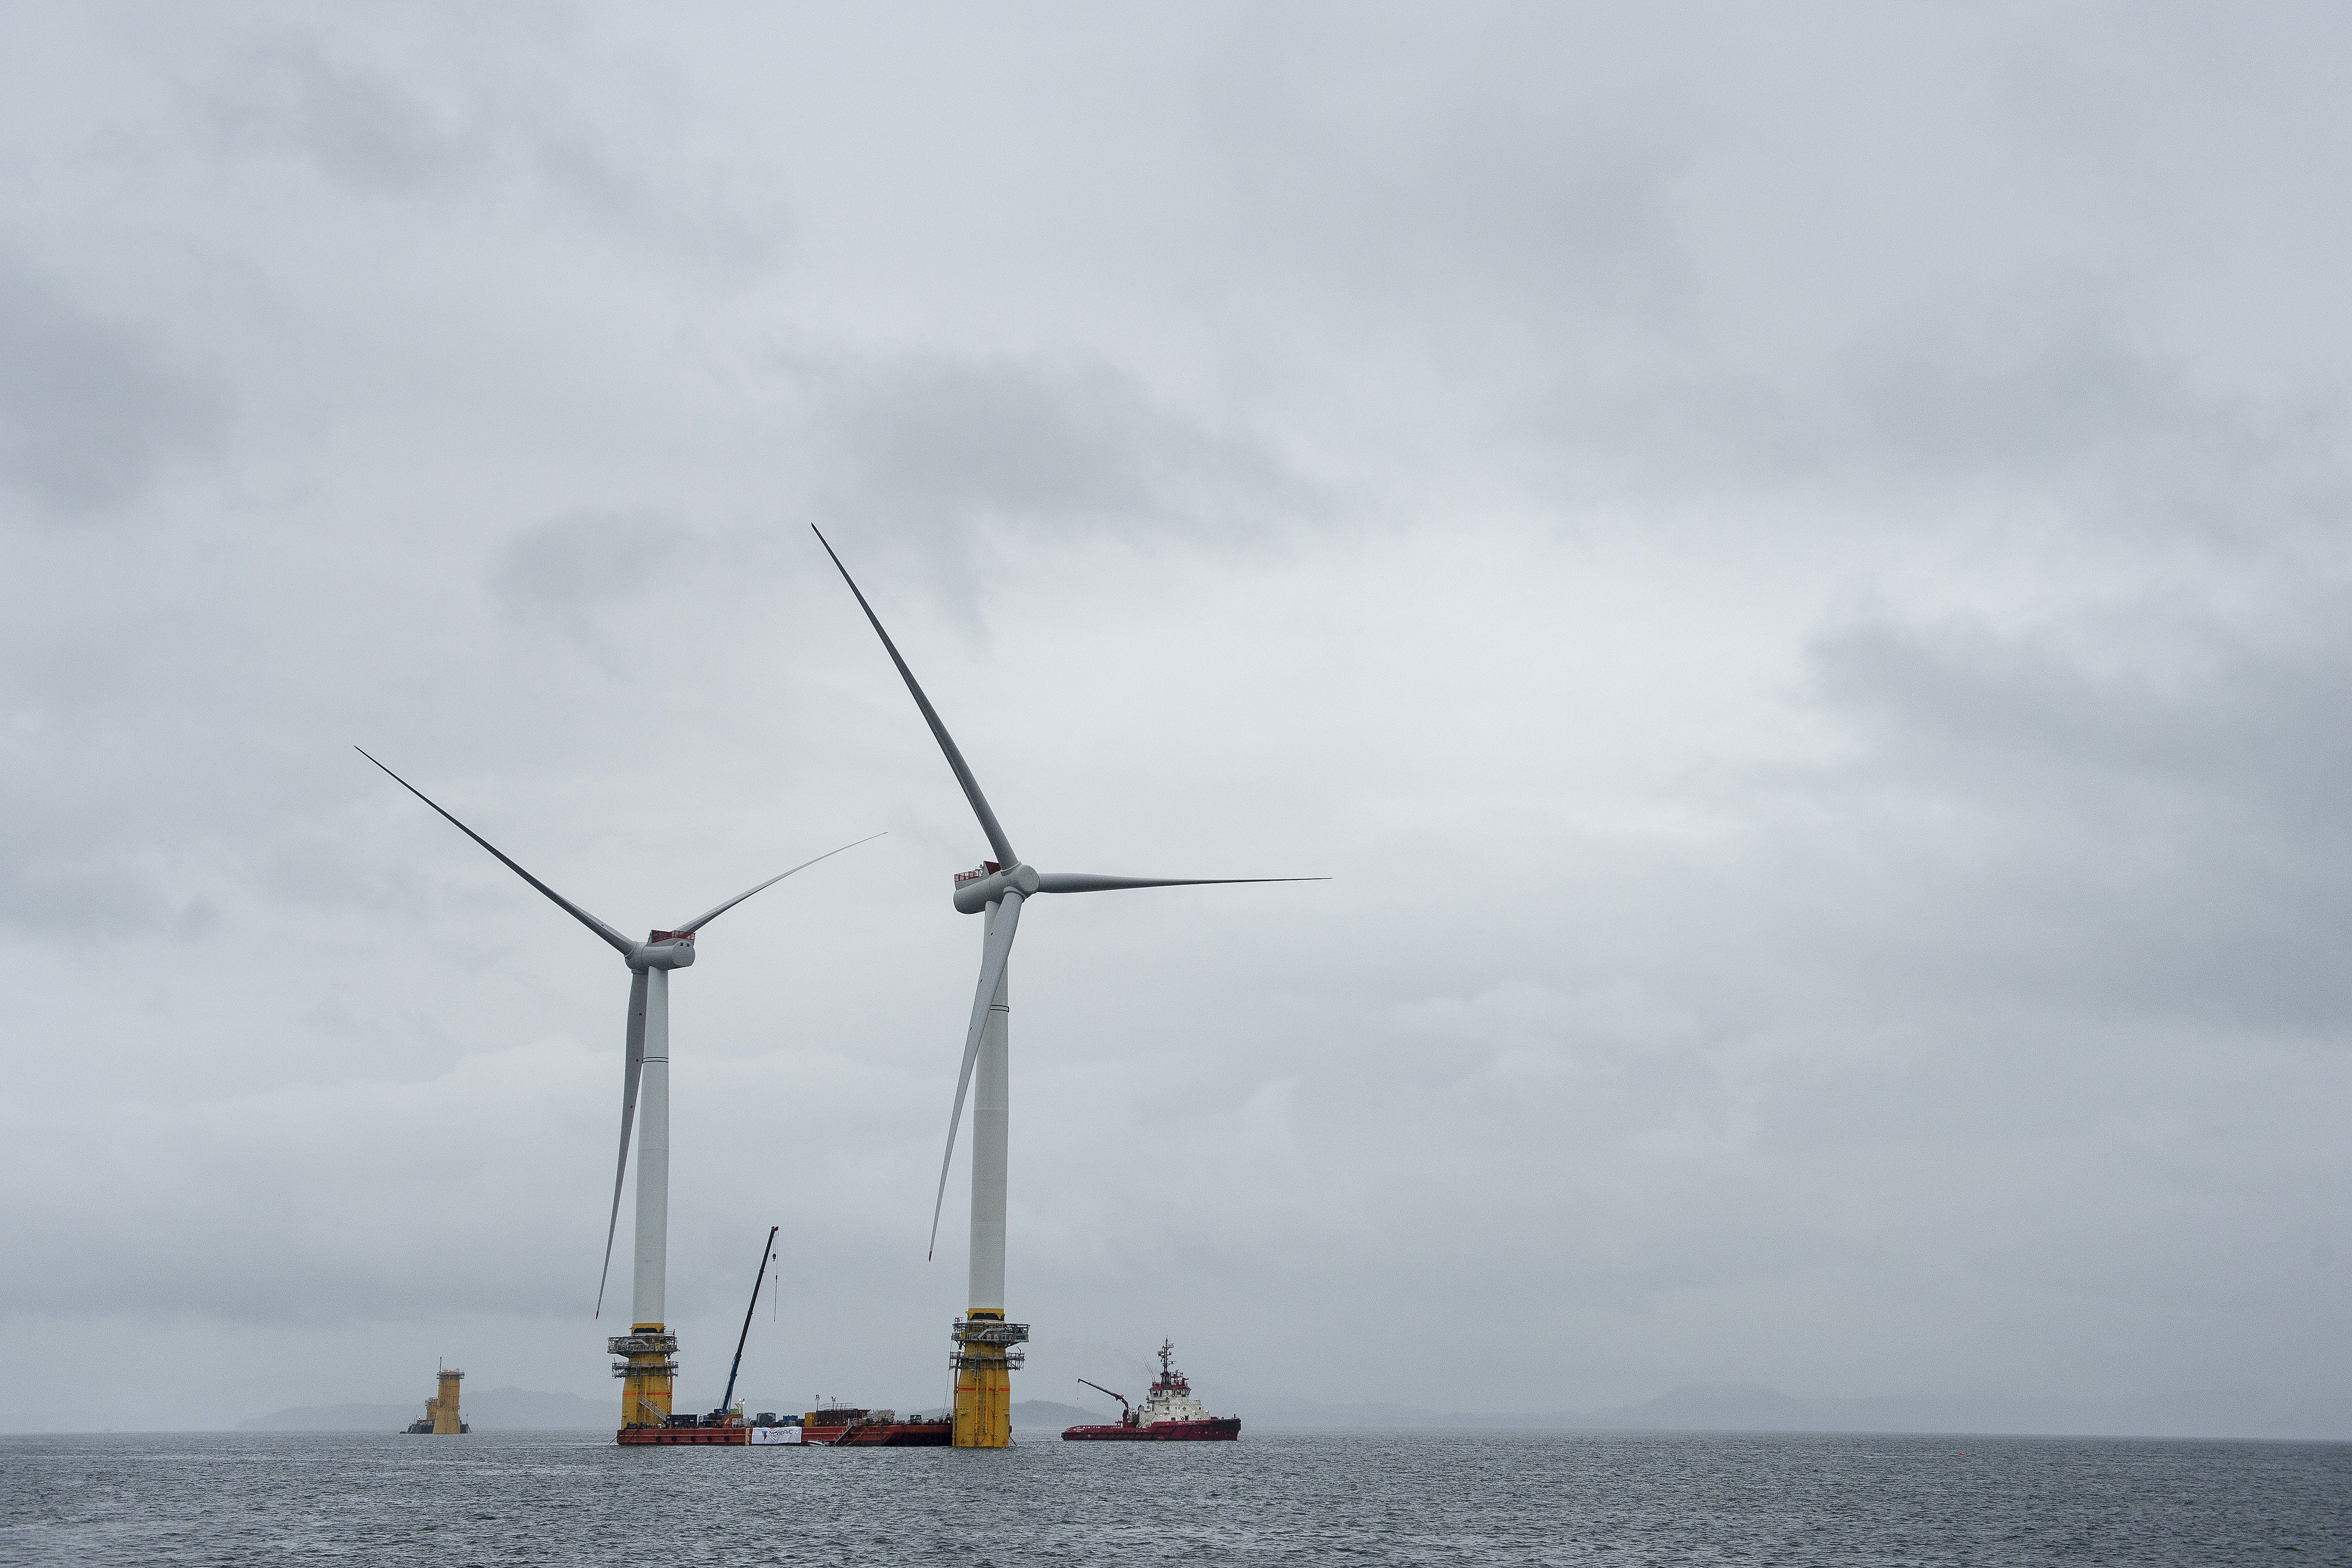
(1672, 292)
(2040, 395)
(369, 130)
(2133, 841)
(91, 412)
(485, 111)
(579, 573)
(79, 862)
(1435, 196)
(931, 446)
(2062, 405)
(2016, 399)
(583, 561)
(58, 891)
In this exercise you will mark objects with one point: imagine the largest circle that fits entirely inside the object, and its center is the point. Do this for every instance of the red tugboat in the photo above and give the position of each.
(1170, 1414)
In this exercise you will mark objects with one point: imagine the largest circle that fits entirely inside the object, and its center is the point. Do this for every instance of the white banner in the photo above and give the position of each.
(775, 1435)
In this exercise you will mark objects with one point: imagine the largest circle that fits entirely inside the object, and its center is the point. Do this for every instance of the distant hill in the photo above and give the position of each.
(1752, 1409)
(491, 1410)
(2209, 1414)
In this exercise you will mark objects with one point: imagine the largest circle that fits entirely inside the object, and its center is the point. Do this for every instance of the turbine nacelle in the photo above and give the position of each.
(1004, 883)
(976, 890)
(663, 950)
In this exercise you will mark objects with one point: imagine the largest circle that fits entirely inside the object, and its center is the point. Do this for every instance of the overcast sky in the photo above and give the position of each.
(1792, 563)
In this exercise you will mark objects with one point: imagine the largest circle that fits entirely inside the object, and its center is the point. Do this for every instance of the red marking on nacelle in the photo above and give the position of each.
(987, 868)
(671, 937)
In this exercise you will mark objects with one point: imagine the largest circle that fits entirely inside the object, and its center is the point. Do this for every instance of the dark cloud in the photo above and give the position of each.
(459, 110)
(359, 123)
(91, 411)
(938, 447)
(581, 572)
(2116, 842)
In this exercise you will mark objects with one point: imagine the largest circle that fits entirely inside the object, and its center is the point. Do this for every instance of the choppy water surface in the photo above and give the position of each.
(1424, 1498)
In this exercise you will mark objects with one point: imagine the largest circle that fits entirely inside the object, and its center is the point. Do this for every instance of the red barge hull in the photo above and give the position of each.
(1221, 1429)
(899, 1435)
(680, 1436)
(867, 1435)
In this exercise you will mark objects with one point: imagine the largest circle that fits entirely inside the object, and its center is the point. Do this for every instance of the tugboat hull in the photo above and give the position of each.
(1217, 1429)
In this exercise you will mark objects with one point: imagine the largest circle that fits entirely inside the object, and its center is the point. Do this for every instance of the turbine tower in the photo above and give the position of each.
(648, 1346)
(984, 1356)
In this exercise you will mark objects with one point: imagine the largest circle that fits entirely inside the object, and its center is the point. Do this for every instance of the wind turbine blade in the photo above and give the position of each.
(998, 845)
(620, 942)
(991, 970)
(630, 1072)
(1087, 882)
(702, 920)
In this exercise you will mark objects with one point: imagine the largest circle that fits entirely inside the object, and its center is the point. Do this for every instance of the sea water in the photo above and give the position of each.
(1435, 1498)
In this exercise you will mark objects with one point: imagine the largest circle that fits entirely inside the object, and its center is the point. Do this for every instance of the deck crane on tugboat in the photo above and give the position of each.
(1126, 1411)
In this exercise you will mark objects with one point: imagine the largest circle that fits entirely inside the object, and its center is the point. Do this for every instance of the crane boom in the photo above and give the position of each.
(1112, 1392)
(767, 1256)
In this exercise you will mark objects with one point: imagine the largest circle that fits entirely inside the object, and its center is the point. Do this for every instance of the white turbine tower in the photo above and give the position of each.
(648, 1344)
(984, 1357)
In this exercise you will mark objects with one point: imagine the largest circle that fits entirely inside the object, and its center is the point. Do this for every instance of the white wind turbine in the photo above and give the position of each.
(984, 1356)
(646, 1397)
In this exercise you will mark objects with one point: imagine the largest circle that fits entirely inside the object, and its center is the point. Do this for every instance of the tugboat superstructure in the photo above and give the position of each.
(1169, 1413)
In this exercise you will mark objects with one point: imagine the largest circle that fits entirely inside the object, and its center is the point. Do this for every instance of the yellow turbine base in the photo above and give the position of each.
(983, 1394)
(644, 1395)
(444, 1405)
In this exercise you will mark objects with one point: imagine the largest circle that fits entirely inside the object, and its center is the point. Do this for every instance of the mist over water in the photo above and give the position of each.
(1426, 1498)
